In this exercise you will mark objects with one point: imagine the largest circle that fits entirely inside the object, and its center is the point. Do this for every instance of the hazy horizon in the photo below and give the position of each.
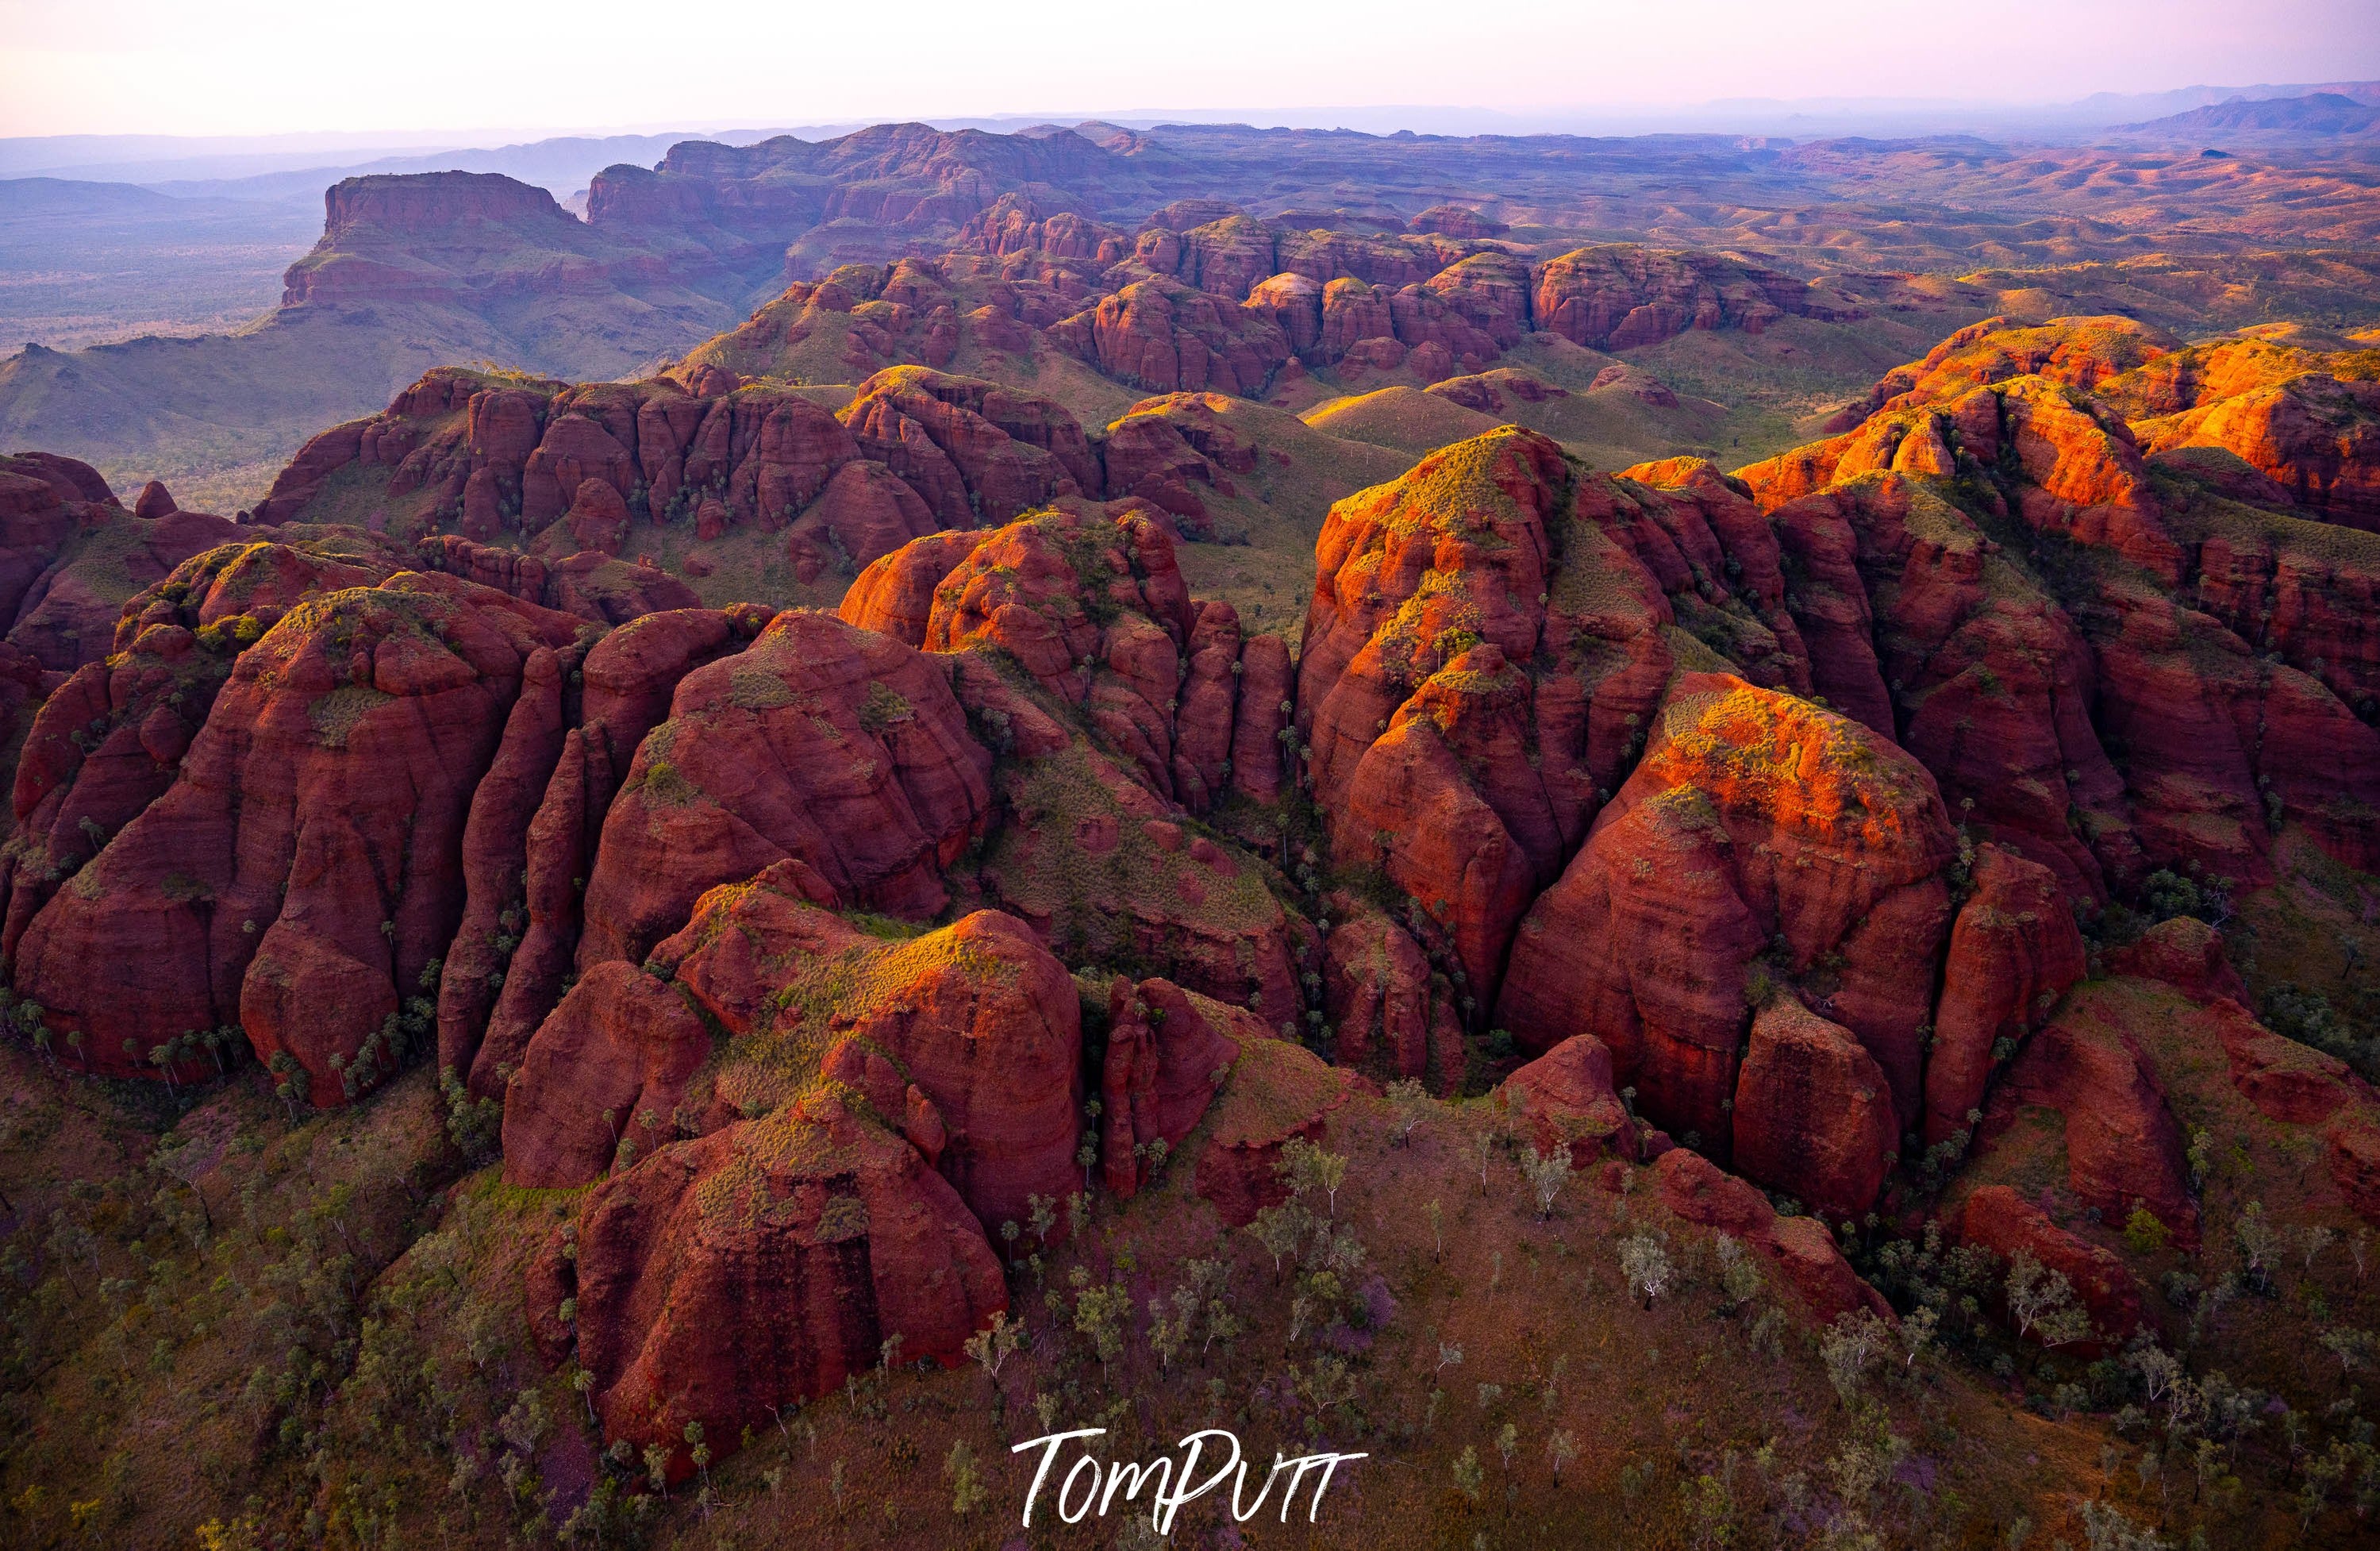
(116, 67)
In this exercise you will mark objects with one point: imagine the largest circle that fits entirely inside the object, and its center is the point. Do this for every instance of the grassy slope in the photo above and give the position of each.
(217, 416)
(342, 1359)
(1742, 396)
(1280, 508)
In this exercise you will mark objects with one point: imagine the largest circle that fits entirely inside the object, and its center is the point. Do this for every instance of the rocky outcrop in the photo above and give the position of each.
(1998, 1220)
(2186, 954)
(495, 843)
(1457, 220)
(1176, 452)
(1168, 1053)
(1094, 610)
(1798, 1249)
(2014, 950)
(2284, 1080)
(1426, 596)
(2224, 746)
(1106, 871)
(965, 1040)
(836, 747)
(1208, 707)
(2079, 352)
(1389, 1008)
(1619, 296)
(978, 453)
(2299, 423)
(2123, 1149)
(1492, 393)
(1275, 1091)
(824, 1180)
(1812, 1111)
(1564, 1098)
(578, 470)
(1755, 827)
(71, 556)
(101, 747)
(302, 870)
(1992, 685)
(2315, 437)
(605, 1076)
(766, 1262)
(592, 585)
(2353, 1159)
(1163, 337)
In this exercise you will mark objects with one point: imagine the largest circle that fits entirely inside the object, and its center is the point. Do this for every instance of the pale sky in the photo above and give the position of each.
(255, 66)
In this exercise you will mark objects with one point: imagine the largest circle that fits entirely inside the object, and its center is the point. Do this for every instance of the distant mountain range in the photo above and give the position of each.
(2317, 115)
(289, 166)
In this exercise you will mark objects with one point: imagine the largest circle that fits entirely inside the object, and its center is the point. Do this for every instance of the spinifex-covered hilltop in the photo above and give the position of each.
(695, 958)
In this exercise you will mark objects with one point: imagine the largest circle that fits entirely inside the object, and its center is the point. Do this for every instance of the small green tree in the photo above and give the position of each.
(1560, 1449)
(699, 1452)
(2041, 1303)
(1849, 1348)
(1100, 1314)
(2260, 1243)
(1546, 1175)
(1738, 1278)
(1645, 1265)
(1468, 1475)
(290, 1088)
(967, 1481)
(996, 1342)
(1484, 1147)
(1279, 1230)
(2354, 1347)
(2106, 1527)
(1169, 1327)
(1306, 1169)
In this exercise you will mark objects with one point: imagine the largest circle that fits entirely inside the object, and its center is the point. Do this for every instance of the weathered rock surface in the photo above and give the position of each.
(303, 868)
(1754, 823)
(1813, 1113)
(1165, 338)
(2123, 1149)
(1427, 595)
(1276, 1091)
(2186, 954)
(837, 747)
(1998, 1219)
(1617, 296)
(1392, 1010)
(1168, 1053)
(2014, 949)
(1800, 1249)
(611, 1063)
(1564, 1098)
(727, 1276)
